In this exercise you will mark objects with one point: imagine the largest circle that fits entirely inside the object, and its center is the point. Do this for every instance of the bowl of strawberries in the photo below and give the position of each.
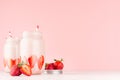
(55, 67)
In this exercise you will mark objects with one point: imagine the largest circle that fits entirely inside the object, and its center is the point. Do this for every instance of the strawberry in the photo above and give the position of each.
(11, 63)
(32, 60)
(19, 60)
(58, 64)
(49, 66)
(40, 62)
(15, 71)
(26, 70)
(4, 61)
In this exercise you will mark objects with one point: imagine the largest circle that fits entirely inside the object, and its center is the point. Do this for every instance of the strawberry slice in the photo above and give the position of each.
(4, 61)
(11, 63)
(32, 60)
(40, 62)
(26, 70)
(19, 60)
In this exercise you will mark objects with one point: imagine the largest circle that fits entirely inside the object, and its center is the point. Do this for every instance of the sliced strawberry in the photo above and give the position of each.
(4, 61)
(32, 60)
(11, 63)
(40, 62)
(26, 70)
(19, 60)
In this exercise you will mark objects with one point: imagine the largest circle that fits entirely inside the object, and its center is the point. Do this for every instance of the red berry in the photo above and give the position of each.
(32, 60)
(26, 70)
(18, 60)
(5, 62)
(49, 66)
(40, 62)
(58, 64)
(15, 71)
(11, 63)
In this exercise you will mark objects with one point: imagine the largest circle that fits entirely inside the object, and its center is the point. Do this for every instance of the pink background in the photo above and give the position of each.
(86, 33)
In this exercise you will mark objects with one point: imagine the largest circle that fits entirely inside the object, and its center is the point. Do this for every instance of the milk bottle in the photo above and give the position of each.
(37, 51)
(10, 58)
(26, 46)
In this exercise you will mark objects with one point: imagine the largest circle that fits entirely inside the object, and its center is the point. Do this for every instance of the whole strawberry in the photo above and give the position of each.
(15, 71)
(49, 66)
(58, 64)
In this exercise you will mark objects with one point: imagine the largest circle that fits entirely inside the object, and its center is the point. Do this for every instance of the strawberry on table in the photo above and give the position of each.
(15, 71)
(26, 70)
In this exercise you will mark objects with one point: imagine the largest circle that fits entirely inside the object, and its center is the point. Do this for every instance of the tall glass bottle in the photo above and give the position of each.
(38, 51)
(10, 58)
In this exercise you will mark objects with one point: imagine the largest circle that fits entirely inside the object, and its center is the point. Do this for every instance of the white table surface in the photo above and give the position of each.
(65, 76)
